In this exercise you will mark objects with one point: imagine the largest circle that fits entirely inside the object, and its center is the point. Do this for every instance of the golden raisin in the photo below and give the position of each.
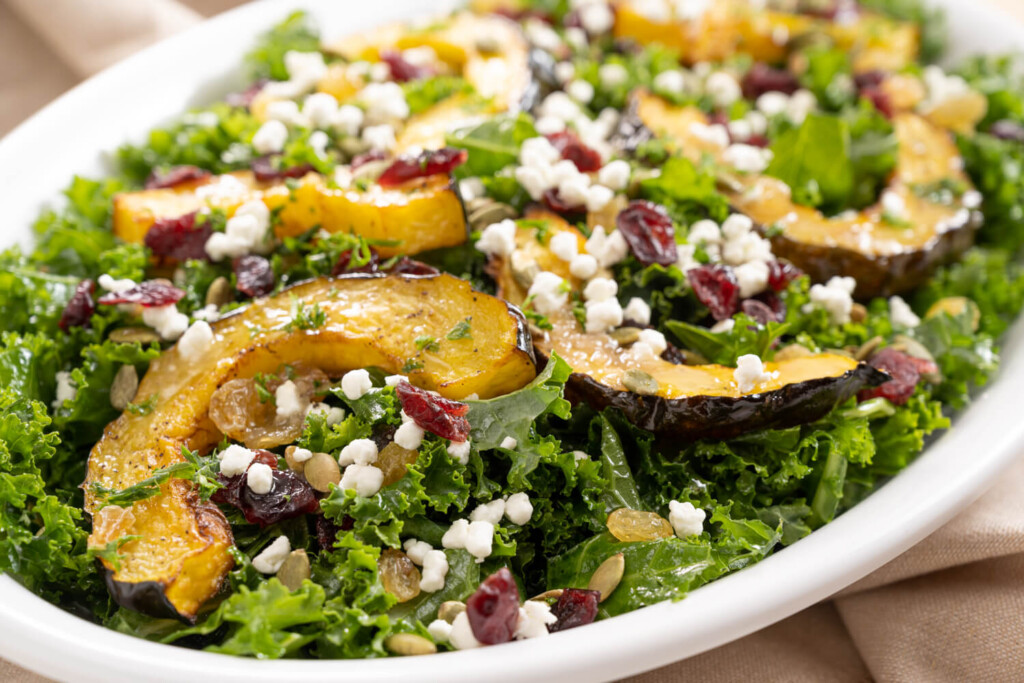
(638, 525)
(399, 575)
(394, 461)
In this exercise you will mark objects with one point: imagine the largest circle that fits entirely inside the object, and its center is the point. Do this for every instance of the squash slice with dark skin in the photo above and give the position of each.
(419, 215)
(885, 257)
(691, 401)
(180, 558)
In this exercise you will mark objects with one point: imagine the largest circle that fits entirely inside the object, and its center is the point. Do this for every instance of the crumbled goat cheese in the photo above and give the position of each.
(221, 188)
(287, 112)
(65, 389)
(196, 339)
(166, 320)
(270, 137)
(836, 297)
(564, 245)
(113, 285)
(893, 206)
(460, 451)
(273, 556)
(723, 88)
(715, 134)
(541, 35)
(607, 249)
(598, 197)
(384, 103)
(686, 520)
(565, 72)
(355, 384)
(235, 460)
(461, 634)
(245, 232)
(471, 188)
(704, 232)
(752, 277)
(723, 326)
(518, 508)
(288, 401)
(455, 537)
(416, 550)
(534, 618)
(747, 158)
(409, 436)
(365, 480)
(750, 373)
(480, 539)
(348, 120)
(305, 67)
(320, 109)
(318, 141)
(302, 454)
(672, 82)
(612, 75)
(657, 11)
(603, 315)
(581, 91)
(260, 478)
(615, 174)
(600, 289)
(597, 18)
(332, 414)
(549, 293)
(583, 266)
(941, 87)
(489, 512)
(580, 456)
(638, 311)
(509, 443)
(380, 137)
(435, 569)
(655, 340)
(439, 629)
(498, 239)
(901, 314)
(358, 452)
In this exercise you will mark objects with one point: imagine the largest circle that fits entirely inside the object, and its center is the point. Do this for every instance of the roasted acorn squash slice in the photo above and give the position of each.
(692, 401)
(423, 214)
(181, 557)
(884, 258)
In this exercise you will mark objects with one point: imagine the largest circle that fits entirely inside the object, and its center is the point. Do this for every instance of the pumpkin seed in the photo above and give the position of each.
(409, 645)
(692, 357)
(552, 594)
(639, 382)
(295, 570)
(858, 313)
(485, 211)
(523, 270)
(321, 471)
(293, 464)
(126, 383)
(607, 577)
(219, 293)
(955, 306)
(488, 44)
(868, 348)
(728, 182)
(450, 609)
(792, 351)
(624, 336)
(916, 349)
(131, 335)
(353, 146)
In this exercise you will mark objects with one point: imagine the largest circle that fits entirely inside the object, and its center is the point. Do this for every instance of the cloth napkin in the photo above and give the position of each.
(949, 609)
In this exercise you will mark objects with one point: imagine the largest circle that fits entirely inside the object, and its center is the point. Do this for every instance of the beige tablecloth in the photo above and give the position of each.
(949, 609)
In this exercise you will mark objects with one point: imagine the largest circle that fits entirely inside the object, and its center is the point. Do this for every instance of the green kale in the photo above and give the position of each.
(493, 144)
(297, 33)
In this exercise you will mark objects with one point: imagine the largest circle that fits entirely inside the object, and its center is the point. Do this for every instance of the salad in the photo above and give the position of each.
(489, 326)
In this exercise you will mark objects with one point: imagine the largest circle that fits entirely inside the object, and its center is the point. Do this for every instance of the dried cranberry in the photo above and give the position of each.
(553, 200)
(344, 264)
(649, 232)
(433, 413)
(759, 311)
(150, 293)
(881, 100)
(254, 275)
(402, 70)
(869, 79)
(1005, 129)
(289, 496)
(408, 266)
(832, 10)
(175, 176)
(781, 273)
(906, 372)
(585, 158)
(179, 238)
(493, 610)
(717, 288)
(265, 457)
(575, 607)
(367, 157)
(80, 307)
(265, 169)
(246, 97)
(763, 78)
(427, 163)
(327, 531)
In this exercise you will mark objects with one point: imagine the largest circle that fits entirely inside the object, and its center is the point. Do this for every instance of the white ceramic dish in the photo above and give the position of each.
(36, 162)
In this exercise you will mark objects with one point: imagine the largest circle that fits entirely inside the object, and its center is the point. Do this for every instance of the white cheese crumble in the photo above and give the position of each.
(480, 539)
(439, 629)
(581, 91)
(358, 452)
(723, 89)
(114, 285)
(287, 112)
(235, 460)
(549, 293)
(195, 340)
(65, 389)
(355, 384)
(534, 617)
(460, 451)
(489, 512)
(347, 120)
(394, 380)
(509, 443)
(612, 75)
(655, 340)
(600, 289)
(583, 266)
(750, 373)
(747, 158)
(302, 454)
(455, 537)
(435, 569)
(461, 634)
(320, 109)
(273, 556)
(564, 72)
(247, 231)
(607, 249)
(596, 17)
(686, 520)
(893, 206)
(518, 508)
(564, 245)
(672, 82)
(409, 436)
(365, 480)
(287, 400)
(166, 320)
(416, 550)
(260, 478)
(900, 313)
(752, 277)
(498, 239)
(332, 414)
(638, 311)
(836, 297)
(384, 103)
(615, 174)
(270, 137)
(603, 315)
(380, 137)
